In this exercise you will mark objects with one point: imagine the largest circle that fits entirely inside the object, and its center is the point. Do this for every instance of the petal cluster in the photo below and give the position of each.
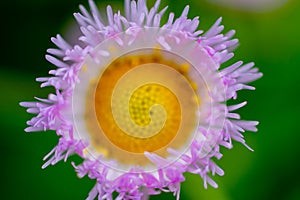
(53, 113)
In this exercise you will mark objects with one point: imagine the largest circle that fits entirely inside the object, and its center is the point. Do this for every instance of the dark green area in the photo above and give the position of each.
(270, 39)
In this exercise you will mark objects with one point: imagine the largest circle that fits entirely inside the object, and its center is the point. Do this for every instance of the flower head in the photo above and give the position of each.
(142, 102)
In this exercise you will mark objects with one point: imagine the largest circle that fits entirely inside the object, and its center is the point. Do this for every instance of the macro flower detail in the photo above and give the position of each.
(142, 102)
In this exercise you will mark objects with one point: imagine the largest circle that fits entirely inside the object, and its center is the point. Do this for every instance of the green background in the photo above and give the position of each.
(271, 39)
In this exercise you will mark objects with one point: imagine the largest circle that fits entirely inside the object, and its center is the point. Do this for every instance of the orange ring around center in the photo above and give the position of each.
(110, 132)
(140, 110)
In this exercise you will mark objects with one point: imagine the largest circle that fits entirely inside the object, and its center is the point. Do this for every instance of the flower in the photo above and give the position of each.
(142, 102)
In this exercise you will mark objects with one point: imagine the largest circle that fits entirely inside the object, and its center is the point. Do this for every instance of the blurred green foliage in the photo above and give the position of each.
(271, 39)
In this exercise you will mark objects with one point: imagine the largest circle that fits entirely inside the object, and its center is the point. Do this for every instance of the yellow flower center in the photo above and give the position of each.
(143, 102)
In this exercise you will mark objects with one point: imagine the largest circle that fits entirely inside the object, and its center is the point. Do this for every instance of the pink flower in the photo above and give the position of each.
(143, 102)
